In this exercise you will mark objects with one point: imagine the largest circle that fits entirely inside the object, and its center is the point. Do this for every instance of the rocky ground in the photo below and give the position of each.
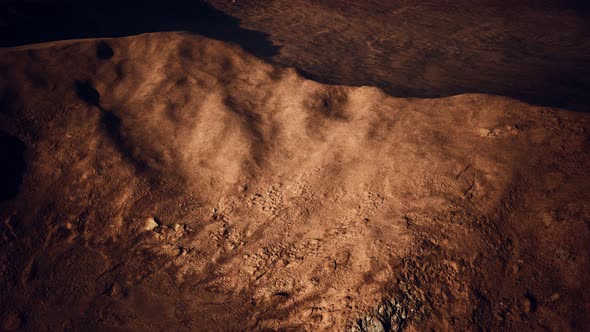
(174, 182)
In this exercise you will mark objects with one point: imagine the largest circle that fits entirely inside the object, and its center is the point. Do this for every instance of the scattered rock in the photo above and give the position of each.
(498, 131)
(151, 224)
(483, 132)
(179, 230)
(184, 251)
(529, 303)
(369, 324)
(454, 265)
(526, 305)
(114, 290)
(547, 218)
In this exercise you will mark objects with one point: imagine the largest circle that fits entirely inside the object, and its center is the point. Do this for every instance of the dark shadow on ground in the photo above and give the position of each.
(110, 123)
(34, 21)
(12, 167)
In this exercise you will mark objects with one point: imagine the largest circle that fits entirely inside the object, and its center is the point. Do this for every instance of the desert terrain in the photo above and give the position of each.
(291, 169)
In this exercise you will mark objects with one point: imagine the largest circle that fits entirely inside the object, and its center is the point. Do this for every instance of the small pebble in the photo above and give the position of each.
(150, 224)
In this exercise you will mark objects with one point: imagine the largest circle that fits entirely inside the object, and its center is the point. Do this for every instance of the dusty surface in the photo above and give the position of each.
(178, 183)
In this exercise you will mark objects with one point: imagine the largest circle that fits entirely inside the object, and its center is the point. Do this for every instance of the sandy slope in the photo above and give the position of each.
(175, 182)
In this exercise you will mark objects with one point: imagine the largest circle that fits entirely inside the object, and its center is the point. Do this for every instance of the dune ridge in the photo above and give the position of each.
(174, 181)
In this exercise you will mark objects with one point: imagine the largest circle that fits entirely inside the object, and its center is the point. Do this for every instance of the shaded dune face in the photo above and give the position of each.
(13, 168)
(177, 181)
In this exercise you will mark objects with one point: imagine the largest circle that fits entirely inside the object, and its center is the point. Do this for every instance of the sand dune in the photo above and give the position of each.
(175, 182)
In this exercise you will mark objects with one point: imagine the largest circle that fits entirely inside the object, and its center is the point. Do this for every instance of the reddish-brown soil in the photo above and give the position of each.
(175, 182)
(172, 182)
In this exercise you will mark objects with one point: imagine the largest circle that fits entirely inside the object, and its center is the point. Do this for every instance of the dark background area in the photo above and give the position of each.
(537, 51)
(28, 22)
